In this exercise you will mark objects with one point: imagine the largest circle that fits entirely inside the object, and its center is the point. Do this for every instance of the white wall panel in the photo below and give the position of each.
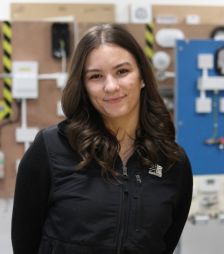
(121, 6)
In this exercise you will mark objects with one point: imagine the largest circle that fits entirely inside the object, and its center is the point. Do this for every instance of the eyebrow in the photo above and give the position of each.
(115, 67)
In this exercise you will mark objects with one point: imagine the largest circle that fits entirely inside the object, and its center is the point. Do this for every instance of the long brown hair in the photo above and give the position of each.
(86, 132)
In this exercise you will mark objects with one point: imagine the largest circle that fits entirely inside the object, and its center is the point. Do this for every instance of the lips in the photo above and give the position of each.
(115, 99)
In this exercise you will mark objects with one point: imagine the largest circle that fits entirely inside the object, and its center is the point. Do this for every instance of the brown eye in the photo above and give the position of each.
(95, 76)
(123, 71)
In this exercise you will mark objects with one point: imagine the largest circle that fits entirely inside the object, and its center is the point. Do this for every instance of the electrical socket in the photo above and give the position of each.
(203, 105)
(26, 134)
(61, 79)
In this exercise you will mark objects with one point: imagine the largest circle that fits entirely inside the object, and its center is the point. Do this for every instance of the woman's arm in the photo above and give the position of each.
(31, 198)
(182, 209)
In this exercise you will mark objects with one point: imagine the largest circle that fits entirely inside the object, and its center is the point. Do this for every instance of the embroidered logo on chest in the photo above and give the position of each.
(156, 170)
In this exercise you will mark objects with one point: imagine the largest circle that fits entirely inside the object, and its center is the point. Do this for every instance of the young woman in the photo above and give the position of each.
(110, 178)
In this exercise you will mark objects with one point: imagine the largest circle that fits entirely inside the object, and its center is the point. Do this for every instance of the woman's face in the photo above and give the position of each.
(113, 82)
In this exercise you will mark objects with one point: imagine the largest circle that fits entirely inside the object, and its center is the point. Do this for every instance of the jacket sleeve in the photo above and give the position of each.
(182, 208)
(30, 198)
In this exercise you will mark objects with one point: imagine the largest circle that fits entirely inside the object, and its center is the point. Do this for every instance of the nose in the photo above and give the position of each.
(111, 84)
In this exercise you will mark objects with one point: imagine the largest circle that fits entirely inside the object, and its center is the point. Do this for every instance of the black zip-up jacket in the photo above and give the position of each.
(58, 210)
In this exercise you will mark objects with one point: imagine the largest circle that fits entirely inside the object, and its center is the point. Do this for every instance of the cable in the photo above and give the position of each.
(214, 138)
(63, 56)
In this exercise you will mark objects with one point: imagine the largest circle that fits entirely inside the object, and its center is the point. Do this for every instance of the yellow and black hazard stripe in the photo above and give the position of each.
(7, 69)
(149, 40)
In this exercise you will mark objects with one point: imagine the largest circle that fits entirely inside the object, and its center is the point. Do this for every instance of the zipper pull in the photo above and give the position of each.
(125, 176)
(138, 179)
(139, 184)
(125, 171)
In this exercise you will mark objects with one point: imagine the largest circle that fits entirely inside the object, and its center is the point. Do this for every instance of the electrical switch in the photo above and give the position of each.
(205, 61)
(203, 105)
(221, 105)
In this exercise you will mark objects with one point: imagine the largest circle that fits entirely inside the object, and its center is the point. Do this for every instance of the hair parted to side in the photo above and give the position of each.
(86, 131)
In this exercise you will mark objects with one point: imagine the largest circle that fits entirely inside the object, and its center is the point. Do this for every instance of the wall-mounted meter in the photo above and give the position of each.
(25, 80)
(60, 40)
(219, 61)
(161, 60)
(218, 33)
(140, 13)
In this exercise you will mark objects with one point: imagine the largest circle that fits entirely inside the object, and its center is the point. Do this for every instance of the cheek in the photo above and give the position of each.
(92, 91)
(132, 82)
(95, 95)
(133, 89)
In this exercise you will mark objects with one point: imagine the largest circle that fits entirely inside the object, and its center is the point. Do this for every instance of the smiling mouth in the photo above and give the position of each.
(115, 99)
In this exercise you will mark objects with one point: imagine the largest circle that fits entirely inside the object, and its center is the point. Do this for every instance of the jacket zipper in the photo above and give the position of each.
(138, 202)
(124, 209)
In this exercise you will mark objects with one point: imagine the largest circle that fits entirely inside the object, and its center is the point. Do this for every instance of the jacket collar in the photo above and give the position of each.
(62, 127)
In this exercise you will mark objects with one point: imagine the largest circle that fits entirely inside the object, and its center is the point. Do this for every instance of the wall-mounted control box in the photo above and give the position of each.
(25, 80)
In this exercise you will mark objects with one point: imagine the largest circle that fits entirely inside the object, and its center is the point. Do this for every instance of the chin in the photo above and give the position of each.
(115, 115)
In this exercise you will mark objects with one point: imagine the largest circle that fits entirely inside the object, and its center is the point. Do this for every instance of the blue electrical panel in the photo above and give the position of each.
(193, 128)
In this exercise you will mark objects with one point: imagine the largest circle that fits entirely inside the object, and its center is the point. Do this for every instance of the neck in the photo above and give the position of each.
(125, 131)
(124, 126)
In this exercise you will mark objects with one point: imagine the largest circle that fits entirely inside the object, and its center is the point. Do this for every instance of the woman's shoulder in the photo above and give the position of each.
(56, 140)
(181, 168)
(52, 133)
(58, 128)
